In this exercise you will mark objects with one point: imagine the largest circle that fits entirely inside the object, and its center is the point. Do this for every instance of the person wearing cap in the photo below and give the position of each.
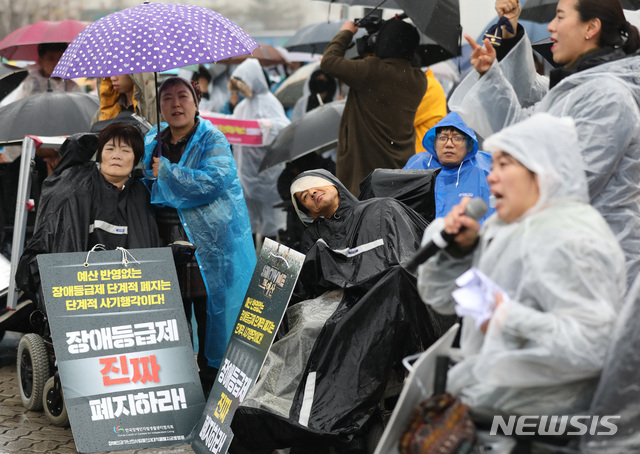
(452, 146)
(377, 125)
(194, 183)
(559, 269)
(354, 316)
(333, 214)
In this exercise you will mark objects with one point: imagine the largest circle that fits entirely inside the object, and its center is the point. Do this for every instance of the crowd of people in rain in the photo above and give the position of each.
(556, 156)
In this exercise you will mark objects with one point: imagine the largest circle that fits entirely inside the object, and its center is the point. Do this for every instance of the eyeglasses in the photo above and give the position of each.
(443, 139)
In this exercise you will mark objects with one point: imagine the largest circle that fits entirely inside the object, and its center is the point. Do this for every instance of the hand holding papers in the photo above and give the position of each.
(476, 296)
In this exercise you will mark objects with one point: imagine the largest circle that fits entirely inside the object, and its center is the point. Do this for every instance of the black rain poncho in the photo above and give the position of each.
(78, 209)
(323, 379)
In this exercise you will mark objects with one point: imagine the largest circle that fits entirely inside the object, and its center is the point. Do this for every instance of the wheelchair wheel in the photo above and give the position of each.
(53, 402)
(33, 370)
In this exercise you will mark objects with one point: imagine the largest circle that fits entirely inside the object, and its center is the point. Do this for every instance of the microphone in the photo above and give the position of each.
(476, 209)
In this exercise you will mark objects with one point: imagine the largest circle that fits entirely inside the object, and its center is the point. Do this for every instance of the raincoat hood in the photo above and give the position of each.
(548, 146)
(250, 72)
(467, 179)
(346, 198)
(451, 120)
(260, 188)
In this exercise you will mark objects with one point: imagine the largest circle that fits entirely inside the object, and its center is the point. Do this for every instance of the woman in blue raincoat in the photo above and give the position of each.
(464, 168)
(197, 189)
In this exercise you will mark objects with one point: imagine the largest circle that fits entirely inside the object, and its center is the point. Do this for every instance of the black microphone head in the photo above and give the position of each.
(476, 208)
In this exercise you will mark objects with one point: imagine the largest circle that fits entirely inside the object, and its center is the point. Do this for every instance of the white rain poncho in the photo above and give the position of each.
(260, 188)
(617, 392)
(603, 101)
(563, 272)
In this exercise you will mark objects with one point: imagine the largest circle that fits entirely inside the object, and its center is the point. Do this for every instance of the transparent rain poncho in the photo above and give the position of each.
(617, 392)
(563, 271)
(260, 188)
(604, 102)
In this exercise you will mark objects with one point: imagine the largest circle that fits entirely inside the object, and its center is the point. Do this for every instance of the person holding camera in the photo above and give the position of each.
(376, 129)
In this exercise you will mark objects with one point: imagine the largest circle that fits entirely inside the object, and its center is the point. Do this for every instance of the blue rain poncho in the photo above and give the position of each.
(205, 190)
(563, 271)
(468, 179)
(604, 101)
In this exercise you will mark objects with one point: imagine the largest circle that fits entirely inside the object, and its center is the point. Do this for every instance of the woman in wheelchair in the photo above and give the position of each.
(560, 269)
(84, 203)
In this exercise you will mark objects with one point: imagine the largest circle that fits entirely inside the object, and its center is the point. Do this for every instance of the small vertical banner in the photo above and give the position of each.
(264, 306)
(122, 346)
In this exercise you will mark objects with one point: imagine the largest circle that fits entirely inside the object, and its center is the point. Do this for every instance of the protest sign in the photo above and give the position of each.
(123, 349)
(264, 305)
(241, 132)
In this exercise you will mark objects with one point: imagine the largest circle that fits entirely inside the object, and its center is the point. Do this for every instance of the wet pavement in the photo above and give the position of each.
(23, 431)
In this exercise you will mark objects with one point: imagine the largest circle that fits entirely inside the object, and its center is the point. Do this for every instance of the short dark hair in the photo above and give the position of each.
(201, 72)
(121, 132)
(449, 128)
(51, 47)
(468, 138)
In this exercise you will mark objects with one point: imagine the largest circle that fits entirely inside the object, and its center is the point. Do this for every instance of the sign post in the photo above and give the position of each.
(264, 305)
(123, 349)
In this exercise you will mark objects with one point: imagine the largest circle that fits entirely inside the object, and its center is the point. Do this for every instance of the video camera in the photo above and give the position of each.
(367, 44)
(372, 24)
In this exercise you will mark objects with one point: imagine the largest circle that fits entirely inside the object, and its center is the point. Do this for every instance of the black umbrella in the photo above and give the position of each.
(10, 80)
(48, 114)
(428, 53)
(315, 37)
(543, 47)
(544, 11)
(8, 69)
(316, 131)
(438, 19)
(292, 88)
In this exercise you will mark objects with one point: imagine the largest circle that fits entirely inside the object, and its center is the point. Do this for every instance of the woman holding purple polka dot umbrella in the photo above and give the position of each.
(200, 200)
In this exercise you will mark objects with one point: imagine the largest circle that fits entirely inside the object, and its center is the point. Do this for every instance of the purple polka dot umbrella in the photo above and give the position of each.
(152, 37)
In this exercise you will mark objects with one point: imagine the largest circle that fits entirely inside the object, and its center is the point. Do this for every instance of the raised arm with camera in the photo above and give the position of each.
(376, 130)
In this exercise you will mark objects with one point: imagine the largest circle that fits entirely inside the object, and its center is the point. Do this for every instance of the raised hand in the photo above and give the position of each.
(511, 10)
(481, 58)
(349, 25)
